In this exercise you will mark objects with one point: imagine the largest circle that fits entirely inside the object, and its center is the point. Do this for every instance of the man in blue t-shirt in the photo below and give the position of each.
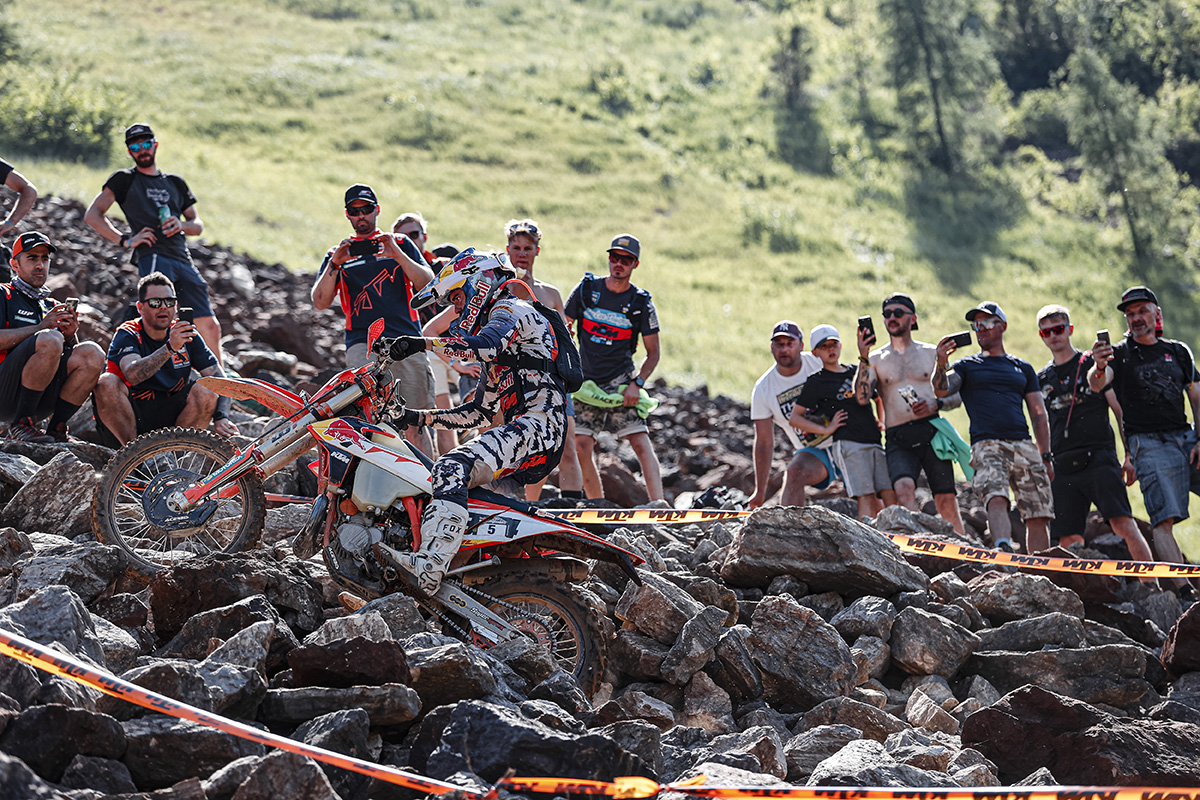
(375, 275)
(612, 314)
(149, 382)
(995, 388)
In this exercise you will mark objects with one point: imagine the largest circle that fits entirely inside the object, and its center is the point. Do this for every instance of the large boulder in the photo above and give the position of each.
(929, 644)
(1004, 596)
(1113, 674)
(802, 658)
(57, 499)
(1181, 651)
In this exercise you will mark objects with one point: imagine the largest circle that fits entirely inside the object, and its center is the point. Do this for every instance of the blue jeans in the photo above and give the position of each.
(1161, 461)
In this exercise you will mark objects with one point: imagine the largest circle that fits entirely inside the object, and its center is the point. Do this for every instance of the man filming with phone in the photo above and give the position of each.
(375, 275)
(149, 383)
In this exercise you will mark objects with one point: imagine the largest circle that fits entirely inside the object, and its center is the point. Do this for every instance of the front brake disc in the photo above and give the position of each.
(155, 502)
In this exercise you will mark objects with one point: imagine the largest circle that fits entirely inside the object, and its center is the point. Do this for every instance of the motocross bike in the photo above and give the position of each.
(179, 493)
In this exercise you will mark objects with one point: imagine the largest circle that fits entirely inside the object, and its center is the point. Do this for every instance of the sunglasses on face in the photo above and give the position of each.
(138, 147)
(624, 261)
(409, 234)
(895, 313)
(159, 302)
(985, 324)
(1053, 330)
(359, 211)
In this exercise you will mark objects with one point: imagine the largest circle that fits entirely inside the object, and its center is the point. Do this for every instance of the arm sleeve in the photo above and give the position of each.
(485, 346)
(1031, 379)
(186, 198)
(5, 168)
(471, 414)
(758, 402)
(118, 183)
(574, 306)
(409, 249)
(649, 319)
(199, 354)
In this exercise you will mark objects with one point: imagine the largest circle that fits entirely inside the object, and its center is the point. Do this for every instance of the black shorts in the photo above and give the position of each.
(909, 451)
(151, 413)
(10, 380)
(1100, 482)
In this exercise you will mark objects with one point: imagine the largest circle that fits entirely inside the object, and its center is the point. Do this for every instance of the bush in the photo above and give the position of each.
(1039, 121)
(57, 117)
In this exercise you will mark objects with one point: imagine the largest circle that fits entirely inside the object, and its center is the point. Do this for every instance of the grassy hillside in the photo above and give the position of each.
(656, 117)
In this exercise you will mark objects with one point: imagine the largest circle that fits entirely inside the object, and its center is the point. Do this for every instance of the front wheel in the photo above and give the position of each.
(563, 617)
(131, 506)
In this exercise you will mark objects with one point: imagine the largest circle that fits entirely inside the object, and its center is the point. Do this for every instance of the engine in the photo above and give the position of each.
(350, 546)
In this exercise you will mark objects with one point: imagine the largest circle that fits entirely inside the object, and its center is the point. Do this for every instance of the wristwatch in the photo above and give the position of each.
(639, 381)
(1047, 456)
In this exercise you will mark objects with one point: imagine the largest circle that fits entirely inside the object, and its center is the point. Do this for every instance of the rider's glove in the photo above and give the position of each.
(405, 417)
(404, 346)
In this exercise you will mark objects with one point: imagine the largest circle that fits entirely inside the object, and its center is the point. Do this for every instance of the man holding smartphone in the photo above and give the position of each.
(375, 275)
(43, 367)
(996, 387)
(149, 383)
(1151, 376)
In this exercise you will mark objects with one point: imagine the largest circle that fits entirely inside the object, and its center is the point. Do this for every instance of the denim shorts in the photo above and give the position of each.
(1161, 461)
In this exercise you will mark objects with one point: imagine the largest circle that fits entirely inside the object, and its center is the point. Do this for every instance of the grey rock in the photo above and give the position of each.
(866, 616)
(806, 750)
(657, 608)
(48, 737)
(634, 705)
(15, 546)
(762, 743)
(364, 625)
(89, 569)
(803, 660)
(174, 678)
(448, 673)
(342, 732)
(248, 647)
(935, 687)
(551, 715)
(827, 604)
(928, 644)
(19, 782)
(390, 704)
(120, 648)
(282, 774)
(637, 655)
(1112, 674)
(706, 705)
(918, 749)
(56, 617)
(98, 774)
(757, 713)
(194, 640)
(1004, 596)
(283, 522)
(353, 661)
(898, 519)
(923, 712)
(719, 774)
(1034, 633)
(401, 614)
(736, 671)
(695, 646)
(1161, 608)
(976, 775)
(822, 548)
(562, 689)
(867, 763)
(874, 723)
(640, 737)
(683, 747)
(872, 655)
(526, 657)
(948, 587)
(981, 689)
(1039, 777)
(57, 498)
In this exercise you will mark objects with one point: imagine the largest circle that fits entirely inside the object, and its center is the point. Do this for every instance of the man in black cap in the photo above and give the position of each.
(900, 371)
(612, 314)
(43, 367)
(375, 275)
(1151, 375)
(996, 388)
(161, 212)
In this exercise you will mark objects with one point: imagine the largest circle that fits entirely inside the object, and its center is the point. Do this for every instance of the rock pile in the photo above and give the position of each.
(799, 646)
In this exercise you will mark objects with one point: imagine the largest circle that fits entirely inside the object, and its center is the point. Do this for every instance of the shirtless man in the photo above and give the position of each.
(900, 372)
(524, 243)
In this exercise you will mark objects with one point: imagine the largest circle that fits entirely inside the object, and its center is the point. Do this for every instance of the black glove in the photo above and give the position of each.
(404, 346)
(405, 417)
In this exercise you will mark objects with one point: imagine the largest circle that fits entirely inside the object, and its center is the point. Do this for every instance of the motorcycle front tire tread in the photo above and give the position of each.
(250, 487)
(581, 607)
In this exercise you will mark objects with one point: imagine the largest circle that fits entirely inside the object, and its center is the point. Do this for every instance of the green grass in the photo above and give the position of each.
(594, 117)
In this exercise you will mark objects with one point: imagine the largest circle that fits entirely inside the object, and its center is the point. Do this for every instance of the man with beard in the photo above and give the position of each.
(149, 382)
(161, 212)
(375, 275)
(900, 372)
(43, 367)
(1151, 376)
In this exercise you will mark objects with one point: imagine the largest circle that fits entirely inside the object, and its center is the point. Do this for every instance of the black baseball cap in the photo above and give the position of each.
(626, 243)
(987, 307)
(1136, 294)
(29, 240)
(138, 130)
(360, 191)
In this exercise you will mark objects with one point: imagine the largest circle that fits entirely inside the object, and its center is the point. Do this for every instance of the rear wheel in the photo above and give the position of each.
(563, 617)
(130, 508)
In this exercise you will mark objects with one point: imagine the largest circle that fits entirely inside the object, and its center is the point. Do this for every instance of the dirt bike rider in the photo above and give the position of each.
(519, 391)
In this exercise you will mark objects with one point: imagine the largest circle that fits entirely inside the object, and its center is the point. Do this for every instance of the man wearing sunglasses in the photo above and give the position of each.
(374, 275)
(161, 212)
(899, 371)
(996, 388)
(612, 314)
(149, 383)
(1086, 468)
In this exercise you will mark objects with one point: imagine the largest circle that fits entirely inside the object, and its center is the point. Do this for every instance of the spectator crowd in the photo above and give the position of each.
(1042, 440)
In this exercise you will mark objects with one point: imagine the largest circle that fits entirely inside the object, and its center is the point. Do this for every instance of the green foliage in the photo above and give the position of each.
(1039, 120)
(59, 116)
(610, 83)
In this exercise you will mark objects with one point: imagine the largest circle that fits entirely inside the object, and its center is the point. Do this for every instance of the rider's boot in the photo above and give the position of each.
(442, 529)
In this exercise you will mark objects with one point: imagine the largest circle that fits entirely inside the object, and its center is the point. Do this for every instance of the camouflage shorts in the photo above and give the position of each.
(1000, 463)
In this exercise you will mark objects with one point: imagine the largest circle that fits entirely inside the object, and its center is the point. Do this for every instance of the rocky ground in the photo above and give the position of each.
(798, 646)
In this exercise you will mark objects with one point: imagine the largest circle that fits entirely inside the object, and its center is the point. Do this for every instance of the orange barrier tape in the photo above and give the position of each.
(58, 664)
(908, 544)
(636, 787)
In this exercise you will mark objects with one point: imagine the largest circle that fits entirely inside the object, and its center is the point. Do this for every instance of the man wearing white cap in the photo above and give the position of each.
(829, 396)
(771, 404)
(995, 388)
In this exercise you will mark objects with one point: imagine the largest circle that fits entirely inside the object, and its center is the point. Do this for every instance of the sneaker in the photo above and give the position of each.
(25, 430)
(60, 434)
(1006, 547)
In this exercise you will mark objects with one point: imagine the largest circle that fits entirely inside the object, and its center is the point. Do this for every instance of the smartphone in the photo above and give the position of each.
(1102, 336)
(364, 247)
(186, 314)
(865, 324)
(72, 303)
(961, 339)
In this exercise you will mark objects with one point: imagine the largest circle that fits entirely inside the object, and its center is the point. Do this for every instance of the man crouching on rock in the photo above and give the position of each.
(149, 383)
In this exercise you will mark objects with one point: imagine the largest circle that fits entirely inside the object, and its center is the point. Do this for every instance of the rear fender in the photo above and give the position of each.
(561, 568)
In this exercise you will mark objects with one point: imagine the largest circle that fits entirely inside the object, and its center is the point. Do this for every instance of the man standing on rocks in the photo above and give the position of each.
(161, 212)
(1151, 375)
(900, 372)
(26, 196)
(44, 369)
(774, 396)
(996, 388)
(149, 383)
(612, 314)
(375, 275)
(1086, 468)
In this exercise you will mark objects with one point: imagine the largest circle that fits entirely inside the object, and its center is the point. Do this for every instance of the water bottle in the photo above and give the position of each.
(164, 214)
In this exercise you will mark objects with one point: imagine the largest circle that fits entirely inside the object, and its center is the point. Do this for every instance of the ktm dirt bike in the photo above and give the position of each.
(178, 493)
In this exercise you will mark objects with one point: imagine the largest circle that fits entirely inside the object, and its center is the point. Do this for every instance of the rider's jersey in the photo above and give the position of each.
(173, 376)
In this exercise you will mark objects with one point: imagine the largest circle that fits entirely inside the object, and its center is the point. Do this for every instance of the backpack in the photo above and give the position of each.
(637, 308)
(564, 360)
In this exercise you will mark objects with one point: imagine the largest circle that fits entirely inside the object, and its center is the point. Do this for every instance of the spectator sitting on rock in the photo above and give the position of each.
(775, 393)
(995, 386)
(857, 454)
(149, 383)
(44, 369)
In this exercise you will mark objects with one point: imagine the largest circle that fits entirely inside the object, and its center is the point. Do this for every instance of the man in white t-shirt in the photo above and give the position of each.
(774, 395)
